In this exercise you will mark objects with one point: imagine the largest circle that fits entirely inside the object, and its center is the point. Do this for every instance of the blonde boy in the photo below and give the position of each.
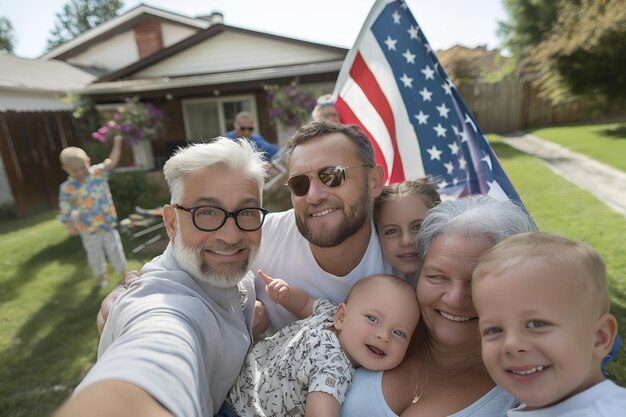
(543, 307)
(86, 208)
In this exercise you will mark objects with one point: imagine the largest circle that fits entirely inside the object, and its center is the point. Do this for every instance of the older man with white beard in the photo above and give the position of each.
(175, 340)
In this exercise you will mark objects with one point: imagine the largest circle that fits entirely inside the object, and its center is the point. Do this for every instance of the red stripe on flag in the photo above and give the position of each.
(348, 117)
(365, 79)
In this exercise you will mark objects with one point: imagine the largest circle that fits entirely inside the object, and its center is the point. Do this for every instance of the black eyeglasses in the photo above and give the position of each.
(211, 218)
(246, 128)
(331, 176)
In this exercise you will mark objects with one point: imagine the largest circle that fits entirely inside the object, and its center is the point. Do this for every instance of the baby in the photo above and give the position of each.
(308, 366)
(543, 307)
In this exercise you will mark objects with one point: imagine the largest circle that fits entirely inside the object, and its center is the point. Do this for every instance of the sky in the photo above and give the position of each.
(332, 22)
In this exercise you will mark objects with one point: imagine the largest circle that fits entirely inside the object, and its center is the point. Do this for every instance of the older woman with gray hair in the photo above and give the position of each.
(443, 373)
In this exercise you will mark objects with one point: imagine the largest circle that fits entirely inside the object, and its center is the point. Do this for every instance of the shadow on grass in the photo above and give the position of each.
(506, 152)
(13, 225)
(617, 133)
(68, 251)
(40, 368)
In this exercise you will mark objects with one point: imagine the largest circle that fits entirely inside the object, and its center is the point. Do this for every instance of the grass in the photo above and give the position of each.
(48, 305)
(48, 299)
(605, 142)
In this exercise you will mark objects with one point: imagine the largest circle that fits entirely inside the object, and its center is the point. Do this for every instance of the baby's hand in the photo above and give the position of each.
(277, 289)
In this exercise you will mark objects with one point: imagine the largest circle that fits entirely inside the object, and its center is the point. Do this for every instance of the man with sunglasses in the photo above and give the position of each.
(244, 128)
(327, 242)
(176, 339)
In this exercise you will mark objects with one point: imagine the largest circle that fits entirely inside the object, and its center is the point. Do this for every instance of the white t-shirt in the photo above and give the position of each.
(280, 371)
(605, 399)
(286, 254)
(181, 340)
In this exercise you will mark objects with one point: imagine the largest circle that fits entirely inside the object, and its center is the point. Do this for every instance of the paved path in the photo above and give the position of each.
(606, 183)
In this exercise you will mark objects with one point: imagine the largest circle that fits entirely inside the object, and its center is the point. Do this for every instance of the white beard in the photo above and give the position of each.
(191, 261)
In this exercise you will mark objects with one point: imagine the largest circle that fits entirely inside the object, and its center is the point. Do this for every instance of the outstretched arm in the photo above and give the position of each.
(112, 398)
(116, 151)
(296, 300)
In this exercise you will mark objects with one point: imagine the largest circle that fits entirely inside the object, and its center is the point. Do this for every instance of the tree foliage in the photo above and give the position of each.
(530, 22)
(78, 16)
(585, 53)
(7, 38)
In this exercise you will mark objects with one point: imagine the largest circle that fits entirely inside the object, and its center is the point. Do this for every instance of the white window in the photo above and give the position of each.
(210, 117)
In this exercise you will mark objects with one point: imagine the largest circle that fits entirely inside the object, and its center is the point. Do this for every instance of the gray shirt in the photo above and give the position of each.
(180, 339)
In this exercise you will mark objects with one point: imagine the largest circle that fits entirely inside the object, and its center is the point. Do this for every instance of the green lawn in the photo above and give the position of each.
(48, 299)
(604, 142)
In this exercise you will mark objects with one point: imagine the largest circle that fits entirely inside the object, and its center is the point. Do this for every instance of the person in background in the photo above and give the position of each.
(87, 209)
(307, 367)
(543, 307)
(398, 214)
(176, 339)
(244, 128)
(325, 110)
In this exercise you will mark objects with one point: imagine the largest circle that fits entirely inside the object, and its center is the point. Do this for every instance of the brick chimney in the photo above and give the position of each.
(148, 37)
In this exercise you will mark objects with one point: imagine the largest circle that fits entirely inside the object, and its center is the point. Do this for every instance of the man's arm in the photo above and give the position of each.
(296, 300)
(321, 404)
(113, 398)
(116, 151)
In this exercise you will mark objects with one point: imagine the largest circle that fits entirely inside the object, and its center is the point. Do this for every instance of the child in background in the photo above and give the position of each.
(86, 208)
(398, 215)
(543, 307)
(307, 367)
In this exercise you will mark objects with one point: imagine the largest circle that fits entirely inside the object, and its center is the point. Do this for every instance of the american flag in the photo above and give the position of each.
(392, 86)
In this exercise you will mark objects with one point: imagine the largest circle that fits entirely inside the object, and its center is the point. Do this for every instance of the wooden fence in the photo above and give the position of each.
(30, 143)
(513, 105)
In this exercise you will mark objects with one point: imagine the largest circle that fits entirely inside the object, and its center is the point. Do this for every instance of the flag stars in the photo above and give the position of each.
(487, 159)
(454, 148)
(455, 181)
(391, 43)
(428, 72)
(469, 120)
(442, 184)
(441, 131)
(412, 32)
(462, 163)
(426, 95)
(443, 110)
(434, 153)
(410, 58)
(449, 167)
(422, 118)
(446, 87)
(396, 18)
(406, 80)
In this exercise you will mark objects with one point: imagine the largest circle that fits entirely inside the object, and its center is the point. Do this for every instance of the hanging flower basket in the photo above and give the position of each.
(133, 121)
(289, 106)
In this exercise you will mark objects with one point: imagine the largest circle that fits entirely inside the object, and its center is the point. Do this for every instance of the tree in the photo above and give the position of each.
(529, 23)
(585, 54)
(7, 38)
(78, 16)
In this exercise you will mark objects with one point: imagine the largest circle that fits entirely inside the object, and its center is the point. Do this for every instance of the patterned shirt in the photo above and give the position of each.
(280, 371)
(91, 199)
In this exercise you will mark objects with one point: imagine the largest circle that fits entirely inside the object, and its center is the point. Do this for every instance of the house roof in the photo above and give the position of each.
(35, 75)
(204, 35)
(118, 25)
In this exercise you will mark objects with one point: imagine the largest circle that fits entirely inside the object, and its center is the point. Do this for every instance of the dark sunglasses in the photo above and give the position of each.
(246, 128)
(331, 177)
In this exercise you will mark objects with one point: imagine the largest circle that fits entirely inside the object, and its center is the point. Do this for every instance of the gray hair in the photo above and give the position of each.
(243, 115)
(473, 216)
(236, 155)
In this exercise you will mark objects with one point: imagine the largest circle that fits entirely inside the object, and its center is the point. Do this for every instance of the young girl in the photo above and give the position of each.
(398, 214)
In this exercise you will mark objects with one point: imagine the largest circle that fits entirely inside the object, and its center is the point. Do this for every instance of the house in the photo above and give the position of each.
(35, 125)
(199, 71)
